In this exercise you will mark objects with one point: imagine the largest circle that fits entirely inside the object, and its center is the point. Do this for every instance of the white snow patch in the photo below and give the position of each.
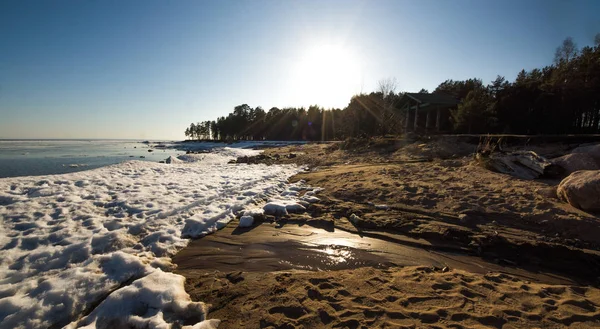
(71, 241)
(246, 221)
(254, 212)
(283, 207)
(314, 191)
(295, 208)
(310, 199)
(292, 203)
(202, 145)
(147, 303)
(223, 156)
(275, 209)
(172, 159)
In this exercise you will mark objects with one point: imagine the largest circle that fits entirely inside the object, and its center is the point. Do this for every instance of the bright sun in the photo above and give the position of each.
(327, 76)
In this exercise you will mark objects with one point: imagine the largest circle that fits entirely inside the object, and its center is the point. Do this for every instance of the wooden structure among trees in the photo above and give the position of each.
(562, 98)
(422, 109)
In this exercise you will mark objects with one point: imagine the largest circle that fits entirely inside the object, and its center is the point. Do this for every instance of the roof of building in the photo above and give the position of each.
(431, 99)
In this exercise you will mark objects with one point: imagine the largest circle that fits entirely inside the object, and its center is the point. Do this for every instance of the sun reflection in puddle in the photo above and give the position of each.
(336, 254)
(325, 257)
(344, 242)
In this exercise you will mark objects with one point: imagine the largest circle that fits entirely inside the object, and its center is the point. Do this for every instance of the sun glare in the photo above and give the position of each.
(327, 76)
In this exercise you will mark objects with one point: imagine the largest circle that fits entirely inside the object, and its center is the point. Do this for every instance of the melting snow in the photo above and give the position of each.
(246, 221)
(310, 199)
(275, 208)
(92, 249)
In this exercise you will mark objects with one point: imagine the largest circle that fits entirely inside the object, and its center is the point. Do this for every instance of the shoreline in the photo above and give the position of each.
(78, 246)
(379, 207)
(89, 154)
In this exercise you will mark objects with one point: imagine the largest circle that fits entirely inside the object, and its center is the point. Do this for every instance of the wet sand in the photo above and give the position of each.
(292, 276)
(271, 247)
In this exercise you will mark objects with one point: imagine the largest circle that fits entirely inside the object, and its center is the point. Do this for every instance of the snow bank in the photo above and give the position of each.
(100, 241)
(147, 303)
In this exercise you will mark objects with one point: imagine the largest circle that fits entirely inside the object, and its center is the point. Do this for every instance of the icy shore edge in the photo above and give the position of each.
(92, 249)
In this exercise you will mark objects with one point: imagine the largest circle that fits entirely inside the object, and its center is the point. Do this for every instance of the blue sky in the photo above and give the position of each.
(146, 69)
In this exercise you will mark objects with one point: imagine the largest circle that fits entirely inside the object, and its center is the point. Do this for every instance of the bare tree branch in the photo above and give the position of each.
(387, 86)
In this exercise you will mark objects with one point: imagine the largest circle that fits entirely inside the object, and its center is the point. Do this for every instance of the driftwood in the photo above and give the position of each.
(521, 164)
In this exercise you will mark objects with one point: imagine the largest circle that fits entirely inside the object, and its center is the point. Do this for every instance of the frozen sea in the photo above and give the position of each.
(42, 157)
(92, 248)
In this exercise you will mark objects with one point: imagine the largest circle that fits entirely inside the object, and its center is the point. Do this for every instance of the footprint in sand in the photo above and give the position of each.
(292, 312)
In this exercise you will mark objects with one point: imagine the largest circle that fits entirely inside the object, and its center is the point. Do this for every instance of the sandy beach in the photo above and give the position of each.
(403, 236)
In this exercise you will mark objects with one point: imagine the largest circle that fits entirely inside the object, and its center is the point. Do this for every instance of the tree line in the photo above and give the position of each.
(561, 98)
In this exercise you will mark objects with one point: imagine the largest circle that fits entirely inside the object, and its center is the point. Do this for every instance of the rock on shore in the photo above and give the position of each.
(577, 161)
(581, 189)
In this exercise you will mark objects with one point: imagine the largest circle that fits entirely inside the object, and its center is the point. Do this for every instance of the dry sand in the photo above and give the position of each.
(435, 199)
(409, 297)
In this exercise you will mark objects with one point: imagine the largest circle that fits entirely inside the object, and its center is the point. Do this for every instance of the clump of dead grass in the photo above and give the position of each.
(443, 147)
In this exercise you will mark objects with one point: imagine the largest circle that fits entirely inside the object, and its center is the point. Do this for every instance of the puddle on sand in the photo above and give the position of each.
(269, 247)
(303, 256)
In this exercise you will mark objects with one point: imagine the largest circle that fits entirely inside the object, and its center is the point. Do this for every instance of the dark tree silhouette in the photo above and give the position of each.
(566, 51)
(560, 98)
